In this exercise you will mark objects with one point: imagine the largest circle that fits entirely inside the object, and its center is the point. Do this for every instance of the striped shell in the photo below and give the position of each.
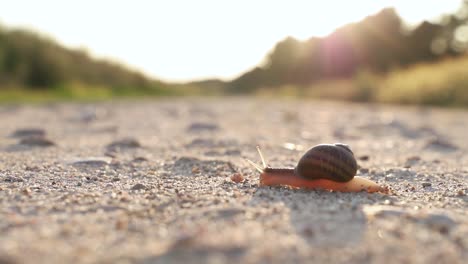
(334, 162)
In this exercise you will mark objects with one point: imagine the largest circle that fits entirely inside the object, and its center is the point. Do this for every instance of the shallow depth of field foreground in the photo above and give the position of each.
(151, 182)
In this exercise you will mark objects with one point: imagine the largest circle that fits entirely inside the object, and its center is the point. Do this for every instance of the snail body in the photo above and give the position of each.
(325, 166)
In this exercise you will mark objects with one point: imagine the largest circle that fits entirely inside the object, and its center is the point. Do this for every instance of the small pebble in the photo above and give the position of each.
(121, 224)
(229, 212)
(140, 159)
(213, 153)
(125, 143)
(202, 142)
(28, 132)
(138, 186)
(195, 170)
(92, 161)
(232, 152)
(364, 157)
(199, 127)
(413, 158)
(426, 184)
(441, 144)
(237, 178)
(110, 153)
(13, 179)
(26, 191)
(32, 168)
(411, 161)
(36, 141)
(124, 197)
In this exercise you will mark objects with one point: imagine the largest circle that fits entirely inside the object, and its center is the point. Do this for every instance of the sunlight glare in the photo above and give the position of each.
(182, 40)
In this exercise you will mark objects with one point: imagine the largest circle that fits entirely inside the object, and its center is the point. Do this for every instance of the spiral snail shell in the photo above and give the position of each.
(325, 166)
(334, 162)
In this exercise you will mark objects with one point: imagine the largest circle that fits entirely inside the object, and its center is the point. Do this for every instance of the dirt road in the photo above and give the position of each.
(150, 182)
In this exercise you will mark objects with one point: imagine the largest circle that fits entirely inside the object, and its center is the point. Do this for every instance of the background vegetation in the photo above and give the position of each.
(33, 67)
(377, 59)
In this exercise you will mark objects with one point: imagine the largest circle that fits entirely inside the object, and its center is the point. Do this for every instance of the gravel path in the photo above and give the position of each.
(150, 182)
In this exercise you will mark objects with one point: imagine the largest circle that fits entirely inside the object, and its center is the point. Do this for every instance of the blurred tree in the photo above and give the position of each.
(282, 61)
(248, 81)
(30, 60)
(420, 42)
(377, 44)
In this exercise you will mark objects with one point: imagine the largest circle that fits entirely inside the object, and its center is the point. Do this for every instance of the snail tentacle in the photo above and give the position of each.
(255, 165)
(261, 157)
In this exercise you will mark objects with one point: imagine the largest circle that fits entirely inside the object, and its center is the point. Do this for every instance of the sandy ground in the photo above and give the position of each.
(150, 182)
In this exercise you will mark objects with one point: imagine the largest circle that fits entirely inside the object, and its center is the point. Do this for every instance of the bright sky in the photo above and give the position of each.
(180, 40)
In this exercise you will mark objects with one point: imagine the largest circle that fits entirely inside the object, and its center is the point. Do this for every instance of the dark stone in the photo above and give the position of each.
(36, 141)
(126, 143)
(138, 187)
(92, 162)
(200, 127)
(364, 157)
(440, 144)
(28, 132)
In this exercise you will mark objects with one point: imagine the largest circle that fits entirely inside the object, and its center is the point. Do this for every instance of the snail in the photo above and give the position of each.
(325, 166)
